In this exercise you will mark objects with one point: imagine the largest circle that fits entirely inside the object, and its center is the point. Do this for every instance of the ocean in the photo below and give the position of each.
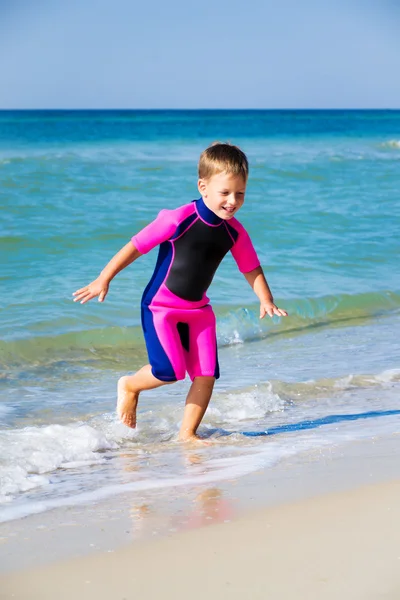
(322, 208)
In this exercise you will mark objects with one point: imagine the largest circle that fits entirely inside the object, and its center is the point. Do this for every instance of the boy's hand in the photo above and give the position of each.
(269, 308)
(98, 287)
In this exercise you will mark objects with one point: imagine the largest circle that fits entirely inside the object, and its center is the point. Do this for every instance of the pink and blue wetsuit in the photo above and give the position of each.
(178, 321)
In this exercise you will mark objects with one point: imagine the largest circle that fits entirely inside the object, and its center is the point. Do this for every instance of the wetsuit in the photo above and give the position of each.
(178, 321)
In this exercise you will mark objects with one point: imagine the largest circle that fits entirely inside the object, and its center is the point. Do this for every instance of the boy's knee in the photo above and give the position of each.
(122, 381)
(203, 382)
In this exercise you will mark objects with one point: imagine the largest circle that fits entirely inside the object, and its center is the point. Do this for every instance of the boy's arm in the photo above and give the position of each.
(153, 234)
(247, 260)
(99, 287)
(256, 279)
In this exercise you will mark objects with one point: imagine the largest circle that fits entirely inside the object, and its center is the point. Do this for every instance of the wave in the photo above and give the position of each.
(243, 324)
(108, 346)
(275, 396)
(393, 144)
(38, 456)
(128, 151)
(321, 388)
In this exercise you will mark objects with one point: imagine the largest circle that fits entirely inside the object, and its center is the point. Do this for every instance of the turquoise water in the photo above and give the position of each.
(322, 208)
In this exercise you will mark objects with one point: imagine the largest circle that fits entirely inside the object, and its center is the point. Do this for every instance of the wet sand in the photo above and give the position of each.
(338, 545)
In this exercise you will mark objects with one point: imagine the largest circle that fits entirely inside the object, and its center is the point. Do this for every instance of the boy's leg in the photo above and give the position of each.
(197, 402)
(129, 388)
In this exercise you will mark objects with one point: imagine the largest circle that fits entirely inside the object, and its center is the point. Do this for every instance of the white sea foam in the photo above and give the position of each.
(391, 144)
(314, 388)
(241, 406)
(82, 456)
(364, 381)
(31, 454)
(388, 376)
(210, 469)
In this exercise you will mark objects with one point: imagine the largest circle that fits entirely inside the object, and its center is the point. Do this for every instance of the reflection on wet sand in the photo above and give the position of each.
(185, 509)
(210, 507)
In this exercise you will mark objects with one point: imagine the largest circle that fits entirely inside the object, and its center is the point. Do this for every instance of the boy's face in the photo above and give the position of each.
(223, 193)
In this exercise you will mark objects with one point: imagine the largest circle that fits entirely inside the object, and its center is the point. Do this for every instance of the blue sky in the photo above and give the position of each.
(210, 54)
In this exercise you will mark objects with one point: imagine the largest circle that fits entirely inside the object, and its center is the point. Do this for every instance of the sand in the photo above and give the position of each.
(333, 546)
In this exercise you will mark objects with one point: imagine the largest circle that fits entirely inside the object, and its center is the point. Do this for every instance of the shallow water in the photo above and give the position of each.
(322, 209)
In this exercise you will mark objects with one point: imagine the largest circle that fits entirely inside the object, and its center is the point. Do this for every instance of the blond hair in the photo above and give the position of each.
(223, 158)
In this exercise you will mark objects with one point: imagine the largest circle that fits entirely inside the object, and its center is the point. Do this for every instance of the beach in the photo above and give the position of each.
(329, 530)
(305, 419)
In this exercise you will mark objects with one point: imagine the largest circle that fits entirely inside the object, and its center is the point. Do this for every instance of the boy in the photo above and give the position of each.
(177, 319)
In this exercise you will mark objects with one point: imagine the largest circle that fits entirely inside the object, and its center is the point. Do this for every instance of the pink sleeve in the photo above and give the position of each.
(243, 250)
(158, 231)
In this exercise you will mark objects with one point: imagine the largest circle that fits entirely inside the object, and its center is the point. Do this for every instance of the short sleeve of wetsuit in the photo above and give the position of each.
(243, 250)
(158, 231)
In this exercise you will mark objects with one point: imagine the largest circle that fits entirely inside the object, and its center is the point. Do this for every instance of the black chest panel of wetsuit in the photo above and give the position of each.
(198, 253)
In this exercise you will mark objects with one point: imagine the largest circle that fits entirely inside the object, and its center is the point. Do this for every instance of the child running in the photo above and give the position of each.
(178, 322)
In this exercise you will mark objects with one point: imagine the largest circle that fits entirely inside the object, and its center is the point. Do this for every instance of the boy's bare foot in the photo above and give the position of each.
(192, 438)
(187, 437)
(127, 403)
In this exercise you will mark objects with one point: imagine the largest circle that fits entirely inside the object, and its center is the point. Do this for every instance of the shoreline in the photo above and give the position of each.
(304, 522)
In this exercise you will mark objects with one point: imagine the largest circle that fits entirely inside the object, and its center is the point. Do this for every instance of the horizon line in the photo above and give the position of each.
(196, 109)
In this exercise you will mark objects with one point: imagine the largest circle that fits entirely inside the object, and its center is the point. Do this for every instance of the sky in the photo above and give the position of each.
(199, 54)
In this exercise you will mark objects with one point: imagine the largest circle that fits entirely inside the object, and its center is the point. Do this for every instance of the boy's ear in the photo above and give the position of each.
(202, 186)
